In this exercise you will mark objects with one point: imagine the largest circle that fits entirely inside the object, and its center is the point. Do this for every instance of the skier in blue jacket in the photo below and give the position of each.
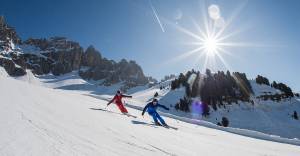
(151, 109)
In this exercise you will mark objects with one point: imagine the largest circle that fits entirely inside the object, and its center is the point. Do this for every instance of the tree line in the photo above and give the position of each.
(215, 89)
(221, 88)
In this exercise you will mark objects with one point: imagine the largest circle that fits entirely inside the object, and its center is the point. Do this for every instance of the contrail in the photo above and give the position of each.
(156, 16)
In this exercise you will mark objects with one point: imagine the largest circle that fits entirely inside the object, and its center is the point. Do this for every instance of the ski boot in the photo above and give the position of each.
(165, 125)
(157, 124)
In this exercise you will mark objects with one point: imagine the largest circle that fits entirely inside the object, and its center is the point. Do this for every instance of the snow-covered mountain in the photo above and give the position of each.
(58, 56)
(37, 120)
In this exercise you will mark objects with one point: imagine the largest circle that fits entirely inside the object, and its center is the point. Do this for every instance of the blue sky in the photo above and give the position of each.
(129, 29)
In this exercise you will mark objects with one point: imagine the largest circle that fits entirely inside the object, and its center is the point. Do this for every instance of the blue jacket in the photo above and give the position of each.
(151, 108)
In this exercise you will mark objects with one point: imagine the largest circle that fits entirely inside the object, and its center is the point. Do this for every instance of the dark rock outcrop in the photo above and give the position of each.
(11, 68)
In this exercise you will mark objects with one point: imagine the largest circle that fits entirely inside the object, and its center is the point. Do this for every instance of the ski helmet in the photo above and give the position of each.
(154, 100)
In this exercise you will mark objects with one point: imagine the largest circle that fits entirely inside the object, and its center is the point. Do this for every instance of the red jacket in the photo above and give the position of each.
(118, 99)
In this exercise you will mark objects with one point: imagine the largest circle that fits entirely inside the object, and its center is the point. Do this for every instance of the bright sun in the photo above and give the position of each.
(211, 46)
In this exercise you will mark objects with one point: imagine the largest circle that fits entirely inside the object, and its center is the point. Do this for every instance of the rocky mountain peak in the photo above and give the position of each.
(92, 57)
(7, 35)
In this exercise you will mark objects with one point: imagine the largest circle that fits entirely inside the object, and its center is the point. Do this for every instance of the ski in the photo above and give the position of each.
(105, 110)
(130, 115)
(165, 126)
(170, 127)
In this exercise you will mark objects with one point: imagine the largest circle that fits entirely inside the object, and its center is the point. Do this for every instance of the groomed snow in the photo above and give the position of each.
(38, 121)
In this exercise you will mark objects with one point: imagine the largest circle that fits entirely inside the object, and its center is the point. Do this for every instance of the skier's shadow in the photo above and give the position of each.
(142, 123)
(98, 109)
(105, 110)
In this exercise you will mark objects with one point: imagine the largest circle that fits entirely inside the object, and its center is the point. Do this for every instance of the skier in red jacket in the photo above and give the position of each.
(118, 101)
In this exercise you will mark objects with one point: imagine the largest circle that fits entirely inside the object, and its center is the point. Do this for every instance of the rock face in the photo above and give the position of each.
(65, 55)
(11, 68)
(7, 57)
(113, 72)
(58, 55)
(91, 57)
(7, 35)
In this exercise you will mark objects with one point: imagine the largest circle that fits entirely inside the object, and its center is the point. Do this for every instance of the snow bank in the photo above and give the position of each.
(29, 77)
(3, 72)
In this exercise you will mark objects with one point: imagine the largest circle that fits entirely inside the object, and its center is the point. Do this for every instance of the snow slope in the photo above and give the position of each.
(265, 116)
(38, 121)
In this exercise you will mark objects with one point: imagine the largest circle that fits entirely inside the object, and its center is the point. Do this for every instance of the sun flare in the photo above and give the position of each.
(211, 38)
(210, 46)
